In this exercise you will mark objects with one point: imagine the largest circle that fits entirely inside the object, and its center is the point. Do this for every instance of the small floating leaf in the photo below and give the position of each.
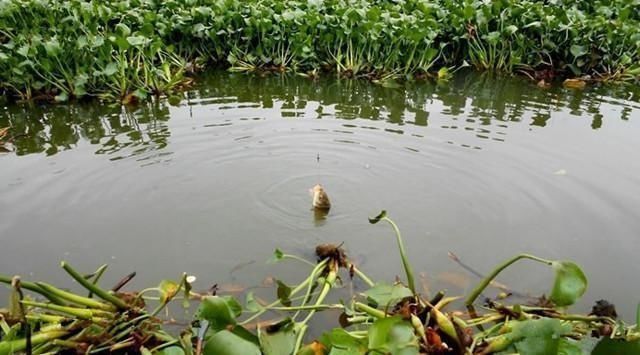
(377, 218)
(570, 283)
(277, 256)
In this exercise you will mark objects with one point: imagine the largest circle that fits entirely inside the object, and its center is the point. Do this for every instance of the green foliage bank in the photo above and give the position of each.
(127, 50)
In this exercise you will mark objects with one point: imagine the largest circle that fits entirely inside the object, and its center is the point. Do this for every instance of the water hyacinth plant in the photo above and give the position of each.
(384, 318)
(130, 49)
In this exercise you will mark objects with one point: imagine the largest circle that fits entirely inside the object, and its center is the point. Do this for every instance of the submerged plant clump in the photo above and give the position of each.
(130, 49)
(385, 318)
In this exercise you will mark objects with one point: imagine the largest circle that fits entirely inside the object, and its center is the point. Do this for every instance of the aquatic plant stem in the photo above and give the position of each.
(31, 286)
(316, 270)
(329, 281)
(361, 275)
(374, 312)
(15, 346)
(82, 313)
(94, 288)
(297, 289)
(73, 298)
(403, 254)
(487, 280)
(297, 258)
(97, 275)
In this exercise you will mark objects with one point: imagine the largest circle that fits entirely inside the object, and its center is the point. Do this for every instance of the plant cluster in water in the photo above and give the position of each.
(129, 49)
(387, 318)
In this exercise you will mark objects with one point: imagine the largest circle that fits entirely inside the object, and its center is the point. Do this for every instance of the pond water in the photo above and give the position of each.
(485, 167)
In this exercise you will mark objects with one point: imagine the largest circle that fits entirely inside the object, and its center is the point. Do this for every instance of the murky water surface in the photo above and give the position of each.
(480, 166)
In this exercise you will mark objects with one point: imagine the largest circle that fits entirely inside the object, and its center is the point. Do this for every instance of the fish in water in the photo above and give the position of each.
(320, 198)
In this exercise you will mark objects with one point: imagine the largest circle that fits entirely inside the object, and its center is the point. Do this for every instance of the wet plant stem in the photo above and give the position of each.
(295, 257)
(73, 298)
(361, 275)
(96, 276)
(374, 312)
(314, 274)
(319, 307)
(94, 288)
(403, 255)
(487, 280)
(31, 286)
(329, 281)
(81, 313)
(295, 291)
(15, 346)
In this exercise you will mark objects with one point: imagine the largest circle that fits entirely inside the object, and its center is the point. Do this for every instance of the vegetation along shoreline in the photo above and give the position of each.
(129, 50)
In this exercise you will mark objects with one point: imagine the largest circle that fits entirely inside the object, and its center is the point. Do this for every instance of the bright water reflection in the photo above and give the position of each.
(482, 166)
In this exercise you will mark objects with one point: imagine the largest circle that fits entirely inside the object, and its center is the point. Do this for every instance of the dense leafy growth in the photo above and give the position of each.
(130, 49)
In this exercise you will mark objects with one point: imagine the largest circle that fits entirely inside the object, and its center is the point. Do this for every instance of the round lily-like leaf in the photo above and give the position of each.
(570, 283)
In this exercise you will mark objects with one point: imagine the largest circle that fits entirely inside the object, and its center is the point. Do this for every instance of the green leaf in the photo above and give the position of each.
(377, 218)
(283, 293)
(570, 283)
(110, 69)
(227, 343)
(137, 40)
(339, 341)
(383, 294)
(251, 304)
(62, 97)
(168, 289)
(578, 51)
(539, 336)
(123, 29)
(393, 335)
(511, 29)
(220, 311)
(277, 256)
(171, 350)
(443, 73)
(569, 347)
(279, 338)
(52, 47)
(608, 346)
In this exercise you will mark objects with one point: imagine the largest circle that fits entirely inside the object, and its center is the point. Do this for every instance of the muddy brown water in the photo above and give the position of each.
(483, 166)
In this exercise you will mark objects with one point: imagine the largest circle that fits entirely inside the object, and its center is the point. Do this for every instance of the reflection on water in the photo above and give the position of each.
(482, 105)
(486, 167)
(51, 129)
